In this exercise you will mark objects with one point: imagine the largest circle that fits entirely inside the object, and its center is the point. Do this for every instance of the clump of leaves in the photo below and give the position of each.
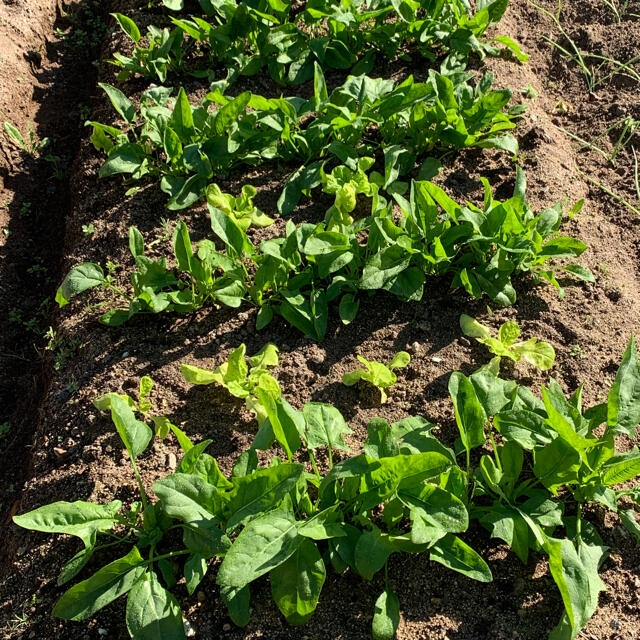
(277, 520)
(286, 40)
(548, 467)
(184, 146)
(378, 374)
(200, 278)
(241, 209)
(251, 381)
(537, 353)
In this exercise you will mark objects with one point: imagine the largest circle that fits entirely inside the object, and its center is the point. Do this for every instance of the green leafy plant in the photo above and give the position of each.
(301, 520)
(185, 146)
(241, 380)
(201, 278)
(538, 354)
(32, 146)
(245, 38)
(548, 467)
(378, 374)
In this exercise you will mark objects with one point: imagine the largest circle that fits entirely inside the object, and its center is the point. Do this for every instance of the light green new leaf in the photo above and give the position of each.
(265, 543)
(134, 433)
(296, 583)
(386, 617)
(195, 375)
(470, 416)
(539, 354)
(103, 587)
(472, 328)
(81, 519)
(152, 612)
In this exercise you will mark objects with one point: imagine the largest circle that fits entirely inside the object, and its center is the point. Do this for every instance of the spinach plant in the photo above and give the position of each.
(378, 374)
(549, 465)
(242, 380)
(538, 354)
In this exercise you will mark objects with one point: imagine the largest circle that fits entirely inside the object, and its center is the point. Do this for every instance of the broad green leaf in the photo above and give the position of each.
(261, 491)
(297, 582)
(120, 102)
(381, 441)
(195, 569)
(112, 581)
(128, 26)
(455, 554)
(401, 471)
(469, 414)
(238, 602)
(371, 553)
(79, 279)
(624, 396)
(286, 422)
(575, 572)
(152, 612)
(556, 464)
(81, 519)
(622, 467)
(265, 543)
(181, 120)
(434, 513)
(386, 617)
(324, 426)
(134, 434)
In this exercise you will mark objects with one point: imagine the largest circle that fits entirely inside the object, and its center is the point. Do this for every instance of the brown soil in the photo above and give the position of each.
(76, 454)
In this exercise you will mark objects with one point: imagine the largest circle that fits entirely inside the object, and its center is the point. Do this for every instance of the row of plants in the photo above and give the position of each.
(299, 275)
(243, 38)
(525, 468)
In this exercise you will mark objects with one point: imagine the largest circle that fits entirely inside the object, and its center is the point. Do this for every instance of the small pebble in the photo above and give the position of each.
(172, 462)
(125, 354)
(102, 632)
(436, 359)
(226, 627)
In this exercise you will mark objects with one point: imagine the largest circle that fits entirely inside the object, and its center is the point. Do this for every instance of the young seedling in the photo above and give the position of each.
(539, 354)
(241, 209)
(378, 374)
(248, 382)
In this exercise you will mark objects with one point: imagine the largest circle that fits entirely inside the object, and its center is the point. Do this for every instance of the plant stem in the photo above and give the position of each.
(495, 449)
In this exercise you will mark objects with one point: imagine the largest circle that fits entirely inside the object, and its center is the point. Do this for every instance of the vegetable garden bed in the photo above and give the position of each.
(333, 299)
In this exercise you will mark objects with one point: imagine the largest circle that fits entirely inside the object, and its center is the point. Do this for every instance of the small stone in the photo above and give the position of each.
(436, 359)
(615, 624)
(226, 627)
(102, 632)
(172, 462)
(415, 347)
(125, 354)
(189, 631)
(61, 453)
